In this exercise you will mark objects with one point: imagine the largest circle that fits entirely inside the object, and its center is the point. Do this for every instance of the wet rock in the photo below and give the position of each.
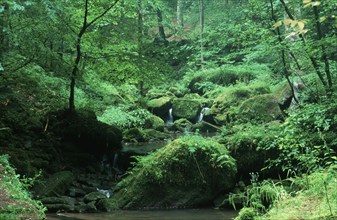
(93, 196)
(59, 207)
(186, 108)
(56, 184)
(160, 106)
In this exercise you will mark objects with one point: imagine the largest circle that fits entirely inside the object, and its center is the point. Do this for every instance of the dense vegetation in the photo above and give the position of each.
(79, 77)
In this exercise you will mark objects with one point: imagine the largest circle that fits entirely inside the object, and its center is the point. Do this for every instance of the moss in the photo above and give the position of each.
(186, 108)
(225, 105)
(182, 125)
(190, 171)
(160, 106)
(264, 108)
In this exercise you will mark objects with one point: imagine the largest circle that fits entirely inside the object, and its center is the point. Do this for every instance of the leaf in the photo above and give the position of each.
(300, 25)
(306, 1)
(277, 24)
(321, 19)
(287, 22)
(316, 4)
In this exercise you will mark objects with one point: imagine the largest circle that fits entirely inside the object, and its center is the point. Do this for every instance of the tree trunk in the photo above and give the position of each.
(3, 36)
(140, 44)
(312, 59)
(283, 52)
(180, 14)
(161, 27)
(324, 55)
(74, 72)
(201, 24)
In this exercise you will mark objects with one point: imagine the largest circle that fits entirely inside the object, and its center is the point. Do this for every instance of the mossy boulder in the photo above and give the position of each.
(284, 96)
(182, 125)
(263, 108)
(205, 127)
(186, 108)
(142, 135)
(160, 106)
(93, 196)
(248, 144)
(188, 172)
(87, 133)
(156, 123)
(57, 184)
(225, 106)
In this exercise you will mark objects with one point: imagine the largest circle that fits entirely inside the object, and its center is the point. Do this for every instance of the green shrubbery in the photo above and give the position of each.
(16, 202)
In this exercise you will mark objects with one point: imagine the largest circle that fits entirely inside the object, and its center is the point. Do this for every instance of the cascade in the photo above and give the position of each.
(202, 113)
(169, 120)
(115, 162)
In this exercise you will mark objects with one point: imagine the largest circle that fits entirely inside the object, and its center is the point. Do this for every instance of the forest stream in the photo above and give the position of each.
(190, 214)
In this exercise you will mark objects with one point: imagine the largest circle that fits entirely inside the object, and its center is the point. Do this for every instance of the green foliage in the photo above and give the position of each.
(125, 117)
(20, 204)
(307, 140)
(315, 200)
(247, 214)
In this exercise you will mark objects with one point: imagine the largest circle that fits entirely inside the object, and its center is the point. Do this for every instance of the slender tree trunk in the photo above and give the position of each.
(283, 56)
(77, 60)
(140, 44)
(312, 59)
(201, 24)
(180, 14)
(3, 36)
(324, 55)
(161, 27)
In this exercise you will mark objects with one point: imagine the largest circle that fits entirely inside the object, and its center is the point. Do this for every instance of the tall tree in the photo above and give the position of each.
(201, 25)
(84, 28)
(180, 14)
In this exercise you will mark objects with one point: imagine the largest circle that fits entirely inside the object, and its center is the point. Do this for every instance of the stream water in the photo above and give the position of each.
(181, 214)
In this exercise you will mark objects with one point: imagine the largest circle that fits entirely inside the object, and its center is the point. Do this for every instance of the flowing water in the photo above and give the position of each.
(181, 214)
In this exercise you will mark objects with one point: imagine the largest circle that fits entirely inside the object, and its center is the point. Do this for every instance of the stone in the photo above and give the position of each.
(186, 108)
(160, 106)
(263, 108)
(93, 196)
(57, 184)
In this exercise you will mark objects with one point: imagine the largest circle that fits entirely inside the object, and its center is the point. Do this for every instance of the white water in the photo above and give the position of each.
(202, 113)
(169, 120)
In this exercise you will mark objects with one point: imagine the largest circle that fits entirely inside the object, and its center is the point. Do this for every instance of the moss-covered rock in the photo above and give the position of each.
(156, 123)
(264, 108)
(87, 133)
(57, 184)
(142, 135)
(248, 143)
(93, 196)
(225, 106)
(205, 127)
(182, 125)
(186, 108)
(160, 106)
(284, 96)
(188, 172)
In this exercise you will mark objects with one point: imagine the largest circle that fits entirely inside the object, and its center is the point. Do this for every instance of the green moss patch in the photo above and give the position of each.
(188, 172)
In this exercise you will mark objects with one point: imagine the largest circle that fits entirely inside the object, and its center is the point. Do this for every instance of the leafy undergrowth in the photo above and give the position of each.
(317, 199)
(15, 201)
(311, 196)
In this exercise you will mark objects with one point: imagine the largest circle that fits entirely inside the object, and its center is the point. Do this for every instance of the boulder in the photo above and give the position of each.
(188, 172)
(186, 108)
(205, 127)
(57, 184)
(93, 196)
(87, 133)
(160, 106)
(284, 96)
(262, 108)
(181, 125)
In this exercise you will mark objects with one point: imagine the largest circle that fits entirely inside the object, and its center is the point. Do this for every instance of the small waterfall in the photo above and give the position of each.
(115, 162)
(169, 120)
(202, 113)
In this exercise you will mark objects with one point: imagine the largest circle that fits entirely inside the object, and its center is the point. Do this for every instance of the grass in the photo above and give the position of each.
(15, 201)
